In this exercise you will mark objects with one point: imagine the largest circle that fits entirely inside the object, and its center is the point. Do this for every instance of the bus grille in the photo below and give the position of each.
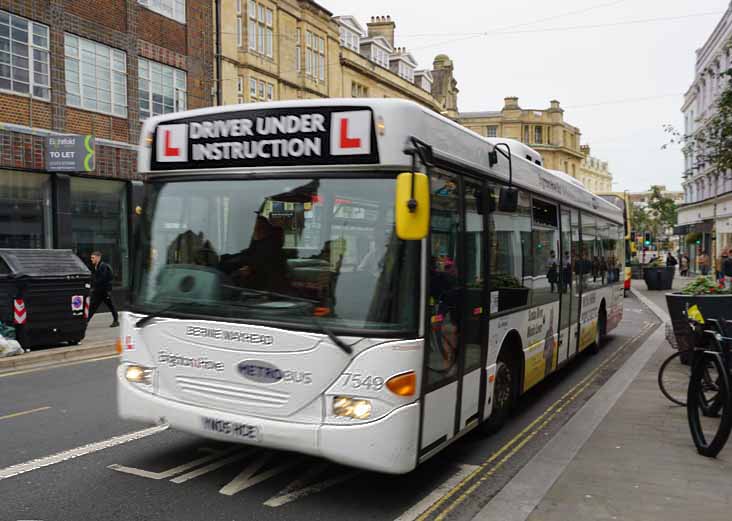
(233, 393)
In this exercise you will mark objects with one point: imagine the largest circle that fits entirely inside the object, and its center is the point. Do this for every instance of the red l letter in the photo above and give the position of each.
(170, 151)
(347, 142)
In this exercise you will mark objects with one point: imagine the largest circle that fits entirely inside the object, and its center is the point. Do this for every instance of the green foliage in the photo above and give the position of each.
(705, 286)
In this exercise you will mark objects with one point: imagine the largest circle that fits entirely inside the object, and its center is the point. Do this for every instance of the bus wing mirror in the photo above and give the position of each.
(484, 201)
(412, 206)
(508, 199)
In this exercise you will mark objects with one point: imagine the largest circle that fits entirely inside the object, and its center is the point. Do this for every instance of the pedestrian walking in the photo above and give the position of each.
(102, 287)
(727, 270)
(703, 261)
(552, 273)
(684, 265)
(671, 261)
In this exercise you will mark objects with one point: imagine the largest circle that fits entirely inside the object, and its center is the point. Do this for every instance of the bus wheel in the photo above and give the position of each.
(600, 331)
(504, 396)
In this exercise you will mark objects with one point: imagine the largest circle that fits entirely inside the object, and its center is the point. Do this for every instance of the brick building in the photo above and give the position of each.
(90, 68)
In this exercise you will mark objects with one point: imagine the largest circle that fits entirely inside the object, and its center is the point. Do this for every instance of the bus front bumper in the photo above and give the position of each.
(388, 444)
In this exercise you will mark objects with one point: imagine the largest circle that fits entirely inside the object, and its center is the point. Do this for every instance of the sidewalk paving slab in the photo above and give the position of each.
(639, 464)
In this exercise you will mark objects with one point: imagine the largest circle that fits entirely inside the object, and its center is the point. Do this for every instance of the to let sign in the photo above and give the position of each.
(70, 153)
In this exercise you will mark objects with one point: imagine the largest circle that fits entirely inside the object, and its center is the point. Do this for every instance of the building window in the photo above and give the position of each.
(238, 24)
(252, 26)
(269, 36)
(260, 90)
(175, 9)
(24, 56)
(162, 89)
(538, 135)
(349, 39)
(526, 134)
(491, 131)
(314, 56)
(298, 50)
(359, 91)
(96, 76)
(240, 90)
(25, 210)
(379, 56)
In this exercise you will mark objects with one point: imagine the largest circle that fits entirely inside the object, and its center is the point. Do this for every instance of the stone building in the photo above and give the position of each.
(297, 49)
(544, 130)
(594, 173)
(89, 68)
(707, 208)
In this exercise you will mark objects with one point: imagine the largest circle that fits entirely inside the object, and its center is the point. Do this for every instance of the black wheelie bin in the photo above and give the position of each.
(44, 296)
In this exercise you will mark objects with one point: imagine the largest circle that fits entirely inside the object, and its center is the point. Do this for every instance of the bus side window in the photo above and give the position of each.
(511, 268)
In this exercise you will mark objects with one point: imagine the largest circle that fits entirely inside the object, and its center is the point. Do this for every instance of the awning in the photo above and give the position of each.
(682, 229)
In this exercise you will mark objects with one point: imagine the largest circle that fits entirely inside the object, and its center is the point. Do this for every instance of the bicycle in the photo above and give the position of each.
(708, 399)
(673, 375)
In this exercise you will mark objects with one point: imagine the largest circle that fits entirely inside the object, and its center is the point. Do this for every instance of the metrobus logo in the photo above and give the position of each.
(350, 133)
(172, 143)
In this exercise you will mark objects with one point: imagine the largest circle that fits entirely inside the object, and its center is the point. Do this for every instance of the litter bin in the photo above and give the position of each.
(44, 295)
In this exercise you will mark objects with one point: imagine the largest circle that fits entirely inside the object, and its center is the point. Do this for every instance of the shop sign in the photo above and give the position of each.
(70, 153)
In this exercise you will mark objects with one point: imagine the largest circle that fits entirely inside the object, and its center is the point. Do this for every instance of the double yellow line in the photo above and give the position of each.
(460, 492)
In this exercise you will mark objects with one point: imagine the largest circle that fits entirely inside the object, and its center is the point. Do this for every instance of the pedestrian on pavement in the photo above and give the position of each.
(552, 273)
(102, 287)
(684, 265)
(671, 261)
(703, 261)
(727, 270)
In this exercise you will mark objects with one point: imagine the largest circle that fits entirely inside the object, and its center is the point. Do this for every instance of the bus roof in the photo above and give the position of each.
(326, 135)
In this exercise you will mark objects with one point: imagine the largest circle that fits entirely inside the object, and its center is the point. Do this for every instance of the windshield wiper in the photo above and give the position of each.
(332, 336)
(155, 314)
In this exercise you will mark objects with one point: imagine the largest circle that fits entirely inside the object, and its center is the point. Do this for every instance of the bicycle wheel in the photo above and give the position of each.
(673, 379)
(709, 390)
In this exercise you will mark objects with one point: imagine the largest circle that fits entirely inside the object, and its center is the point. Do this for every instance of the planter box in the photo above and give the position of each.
(659, 278)
(710, 306)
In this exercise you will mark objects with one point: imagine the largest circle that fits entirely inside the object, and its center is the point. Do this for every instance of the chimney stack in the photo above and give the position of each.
(382, 26)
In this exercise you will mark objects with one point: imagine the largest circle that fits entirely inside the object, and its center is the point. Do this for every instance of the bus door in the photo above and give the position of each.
(454, 339)
(569, 285)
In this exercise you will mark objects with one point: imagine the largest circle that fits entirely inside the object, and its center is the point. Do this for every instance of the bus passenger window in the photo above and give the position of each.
(511, 271)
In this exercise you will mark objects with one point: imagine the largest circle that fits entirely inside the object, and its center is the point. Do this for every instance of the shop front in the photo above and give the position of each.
(84, 212)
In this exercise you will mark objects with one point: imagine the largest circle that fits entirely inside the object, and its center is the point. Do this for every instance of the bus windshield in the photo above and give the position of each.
(302, 253)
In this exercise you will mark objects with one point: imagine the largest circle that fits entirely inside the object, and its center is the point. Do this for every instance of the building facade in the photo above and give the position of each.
(297, 49)
(544, 130)
(594, 173)
(89, 68)
(707, 208)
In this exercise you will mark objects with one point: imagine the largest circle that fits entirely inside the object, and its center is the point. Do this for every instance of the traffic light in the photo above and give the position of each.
(647, 238)
(632, 235)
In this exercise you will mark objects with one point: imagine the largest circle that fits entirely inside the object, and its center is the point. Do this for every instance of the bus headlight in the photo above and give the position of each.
(352, 408)
(139, 374)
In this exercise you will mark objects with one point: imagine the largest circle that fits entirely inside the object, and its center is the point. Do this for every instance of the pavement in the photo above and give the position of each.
(626, 455)
(99, 341)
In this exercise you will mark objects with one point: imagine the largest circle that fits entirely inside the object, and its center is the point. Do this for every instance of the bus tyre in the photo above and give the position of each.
(600, 332)
(504, 396)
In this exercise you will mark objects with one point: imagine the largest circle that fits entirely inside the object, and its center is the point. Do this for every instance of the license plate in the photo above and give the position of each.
(233, 429)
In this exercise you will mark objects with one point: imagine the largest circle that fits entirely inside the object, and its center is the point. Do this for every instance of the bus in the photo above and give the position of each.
(361, 280)
(622, 201)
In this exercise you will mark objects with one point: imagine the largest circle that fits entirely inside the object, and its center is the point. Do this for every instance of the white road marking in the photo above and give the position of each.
(436, 494)
(172, 471)
(22, 468)
(248, 477)
(212, 466)
(295, 489)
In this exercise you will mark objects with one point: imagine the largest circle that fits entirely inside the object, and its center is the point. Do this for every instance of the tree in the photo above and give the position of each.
(657, 216)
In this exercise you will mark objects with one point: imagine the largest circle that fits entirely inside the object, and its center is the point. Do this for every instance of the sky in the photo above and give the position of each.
(618, 67)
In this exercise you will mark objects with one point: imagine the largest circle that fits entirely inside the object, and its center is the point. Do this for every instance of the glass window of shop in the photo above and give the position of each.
(99, 222)
(25, 210)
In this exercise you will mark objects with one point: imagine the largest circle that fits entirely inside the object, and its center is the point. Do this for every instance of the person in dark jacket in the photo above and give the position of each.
(727, 270)
(102, 287)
